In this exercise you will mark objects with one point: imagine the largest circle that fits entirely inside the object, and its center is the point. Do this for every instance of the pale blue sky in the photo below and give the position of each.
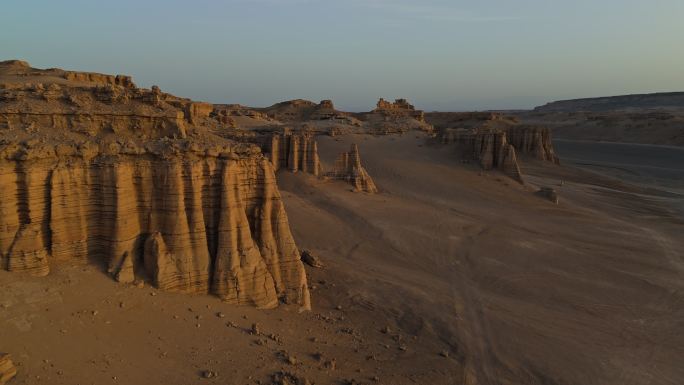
(440, 54)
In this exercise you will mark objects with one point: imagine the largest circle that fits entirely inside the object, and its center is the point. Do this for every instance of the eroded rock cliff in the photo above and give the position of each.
(302, 111)
(294, 152)
(394, 117)
(93, 168)
(489, 147)
(534, 141)
(7, 369)
(348, 168)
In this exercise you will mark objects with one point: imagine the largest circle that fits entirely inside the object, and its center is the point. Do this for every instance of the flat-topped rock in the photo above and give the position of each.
(94, 168)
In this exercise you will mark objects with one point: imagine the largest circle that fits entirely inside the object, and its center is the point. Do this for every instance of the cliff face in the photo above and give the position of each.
(442, 120)
(534, 141)
(401, 107)
(613, 103)
(489, 147)
(7, 369)
(494, 140)
(199, 224)
(300, 111)
(394, 117)
(139, 182)
(295, 152)
(348, 168)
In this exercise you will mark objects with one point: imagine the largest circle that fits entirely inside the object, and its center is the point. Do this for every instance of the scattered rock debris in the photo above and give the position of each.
(312, 260)
(289, 378)
(209, 374)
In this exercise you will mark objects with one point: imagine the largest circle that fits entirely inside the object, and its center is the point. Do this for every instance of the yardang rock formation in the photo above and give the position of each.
(494, 140)
(178, 192)
(348, 168)
(94, 168)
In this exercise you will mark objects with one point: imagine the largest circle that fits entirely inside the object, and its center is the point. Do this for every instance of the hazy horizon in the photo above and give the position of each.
(441, 55)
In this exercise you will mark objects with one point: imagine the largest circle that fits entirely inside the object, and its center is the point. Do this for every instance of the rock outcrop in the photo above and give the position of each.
(348, 168)
(7, 369)
(138, 179)
(294, 152)
(549, 194)
(494, 140)
(397, 117)
(443, 120)
(534, 141)
(399, 106)
(312, 259)
(489, 147)
(302, 111)
(235, 115)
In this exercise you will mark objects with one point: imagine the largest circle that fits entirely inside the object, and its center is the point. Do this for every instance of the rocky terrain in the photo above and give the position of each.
(494, 140)
(348, 168)
(395, 117)
(648, 119)
(437, 248)
(7, 369)
(94, 168)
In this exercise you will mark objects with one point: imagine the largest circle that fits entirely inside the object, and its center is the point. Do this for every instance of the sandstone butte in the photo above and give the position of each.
(95, 169)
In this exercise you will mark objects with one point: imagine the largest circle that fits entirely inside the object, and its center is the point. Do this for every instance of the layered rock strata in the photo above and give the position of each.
(300, 110)
(442, 120)
(348, 168)
(663, 100)
(394, 117)
(99, 170)
(7, 369)
(400, 106)
(531, 140)
(534, 141)
(294, 152)
(489, 147)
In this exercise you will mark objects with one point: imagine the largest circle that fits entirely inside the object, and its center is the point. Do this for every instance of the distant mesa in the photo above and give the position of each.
(655, 118)
(662, 100)
(18, 64)
(300, 110)
(394, 117)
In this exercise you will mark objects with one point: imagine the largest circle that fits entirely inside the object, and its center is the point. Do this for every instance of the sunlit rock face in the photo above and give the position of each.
(93, 168)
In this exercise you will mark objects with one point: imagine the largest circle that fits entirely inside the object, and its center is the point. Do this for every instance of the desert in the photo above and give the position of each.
(357, 192)
(146, 238)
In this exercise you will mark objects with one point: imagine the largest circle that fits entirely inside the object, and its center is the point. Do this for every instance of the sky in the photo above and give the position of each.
(448, 55)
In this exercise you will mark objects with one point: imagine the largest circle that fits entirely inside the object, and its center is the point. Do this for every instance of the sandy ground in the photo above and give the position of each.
(445, 261)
